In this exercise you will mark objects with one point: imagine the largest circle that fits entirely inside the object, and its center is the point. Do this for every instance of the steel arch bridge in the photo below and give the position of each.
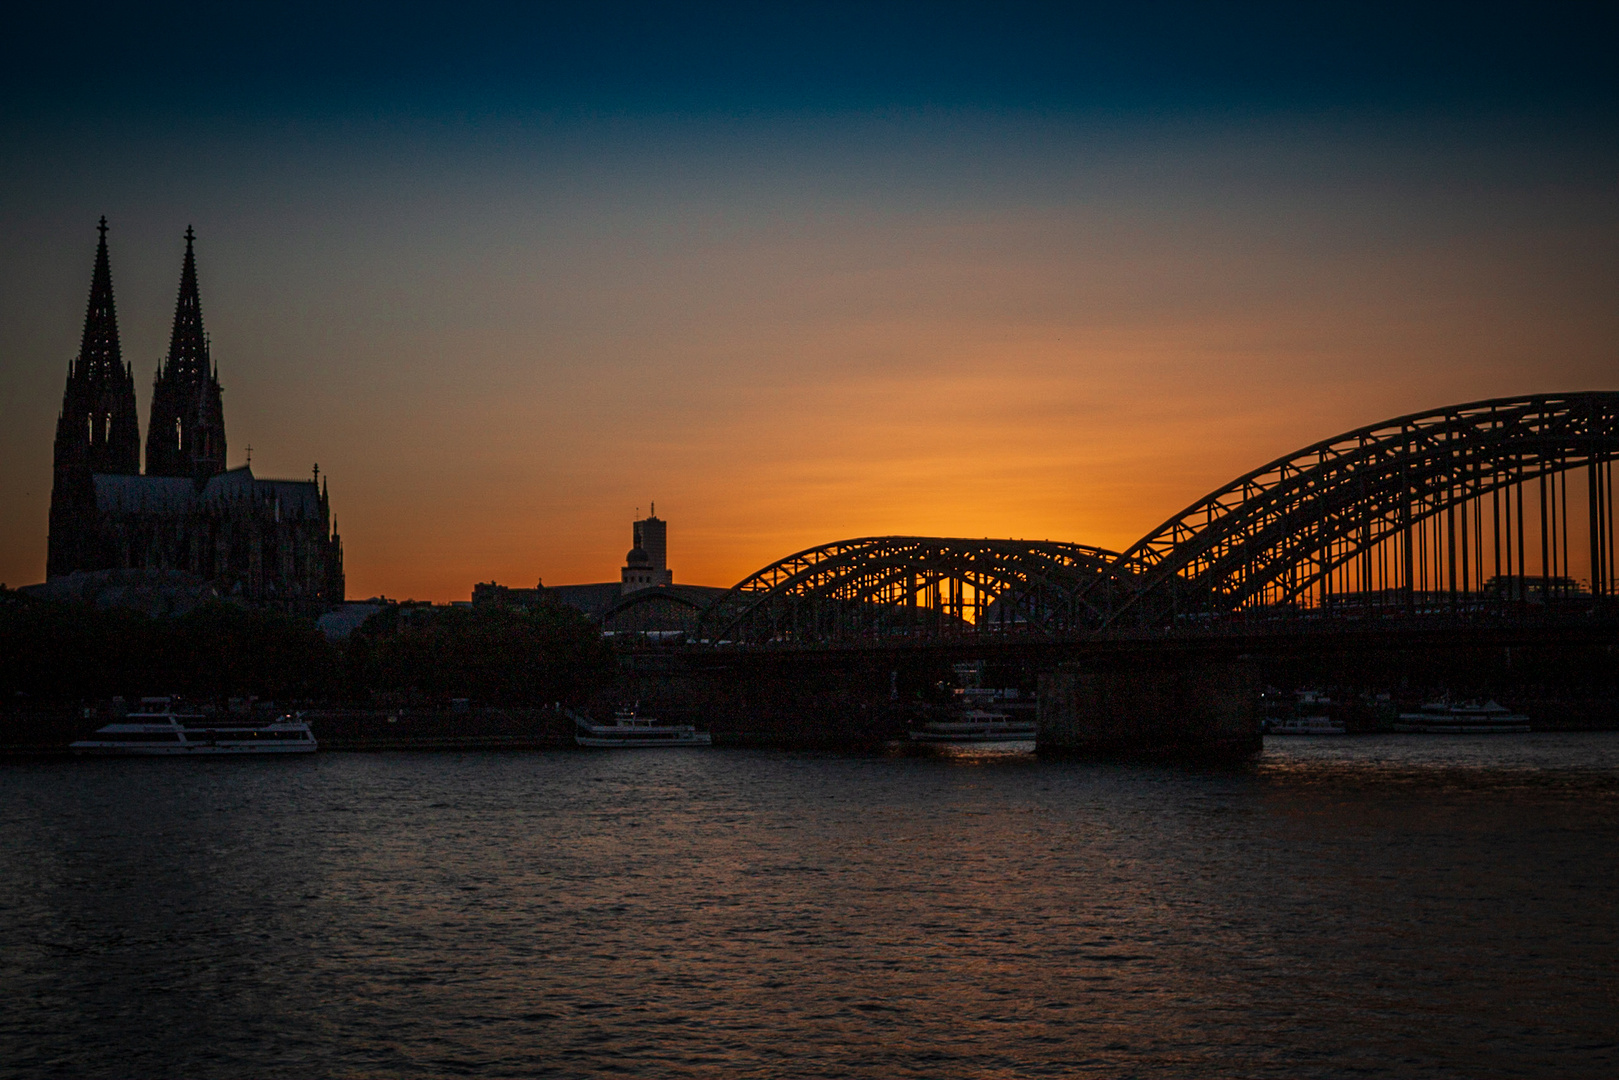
(904, 587)
(1456, 509)
(1394, 514)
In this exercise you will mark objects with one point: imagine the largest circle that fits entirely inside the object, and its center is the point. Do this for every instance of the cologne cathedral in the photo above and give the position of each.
(266, 542)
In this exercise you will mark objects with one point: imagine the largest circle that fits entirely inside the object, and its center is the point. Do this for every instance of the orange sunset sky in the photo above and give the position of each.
(502, 328)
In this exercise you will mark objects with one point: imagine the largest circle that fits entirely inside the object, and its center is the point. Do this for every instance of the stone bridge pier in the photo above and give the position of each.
(1150, 705)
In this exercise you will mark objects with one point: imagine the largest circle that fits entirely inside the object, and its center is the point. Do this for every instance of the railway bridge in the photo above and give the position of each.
(1467, 527)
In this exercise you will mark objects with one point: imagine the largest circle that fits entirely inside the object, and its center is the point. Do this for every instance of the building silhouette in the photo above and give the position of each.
(265, 541)
(645, 599)
(647, 564)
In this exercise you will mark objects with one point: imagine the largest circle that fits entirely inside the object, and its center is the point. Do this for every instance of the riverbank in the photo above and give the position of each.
(47, 732)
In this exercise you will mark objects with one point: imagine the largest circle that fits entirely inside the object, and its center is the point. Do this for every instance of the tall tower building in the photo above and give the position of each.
(647, 563)
(186, 436)
(98, 430)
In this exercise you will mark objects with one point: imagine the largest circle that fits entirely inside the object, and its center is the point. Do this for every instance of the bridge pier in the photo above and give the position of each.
(1154, 706)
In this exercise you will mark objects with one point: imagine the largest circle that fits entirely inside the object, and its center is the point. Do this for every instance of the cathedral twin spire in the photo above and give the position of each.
(99, 430)
(186, 436)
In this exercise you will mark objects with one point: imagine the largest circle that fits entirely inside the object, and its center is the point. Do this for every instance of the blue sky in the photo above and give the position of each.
(162, 64)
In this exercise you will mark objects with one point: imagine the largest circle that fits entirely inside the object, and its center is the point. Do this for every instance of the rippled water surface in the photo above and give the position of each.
(1391, 905)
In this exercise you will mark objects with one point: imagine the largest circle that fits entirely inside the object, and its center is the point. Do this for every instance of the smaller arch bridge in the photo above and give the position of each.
(897, 587)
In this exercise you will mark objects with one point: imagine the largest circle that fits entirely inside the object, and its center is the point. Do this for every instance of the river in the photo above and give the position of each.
(1419, 906)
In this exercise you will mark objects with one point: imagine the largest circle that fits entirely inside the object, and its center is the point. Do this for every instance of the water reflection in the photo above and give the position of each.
(1013, 752)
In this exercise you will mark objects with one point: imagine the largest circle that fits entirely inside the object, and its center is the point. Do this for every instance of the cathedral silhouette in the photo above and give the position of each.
(269, 542)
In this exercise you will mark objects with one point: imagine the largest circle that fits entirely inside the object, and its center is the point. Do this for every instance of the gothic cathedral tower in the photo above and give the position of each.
(186, 436)
(98, 430)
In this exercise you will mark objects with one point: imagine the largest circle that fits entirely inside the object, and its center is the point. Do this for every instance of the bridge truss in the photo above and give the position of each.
(905, 587)
(1455, 508)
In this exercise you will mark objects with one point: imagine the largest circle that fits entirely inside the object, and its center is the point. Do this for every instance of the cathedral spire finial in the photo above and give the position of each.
(102, 228)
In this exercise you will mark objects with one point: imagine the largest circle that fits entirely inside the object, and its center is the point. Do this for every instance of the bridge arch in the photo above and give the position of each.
(906, 587)
(1394, 513)
(657, 609)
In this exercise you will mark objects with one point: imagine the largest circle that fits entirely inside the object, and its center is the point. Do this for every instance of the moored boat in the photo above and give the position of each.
(630, 729)
(1313, 713)
(1467, 718)
(160, 730)
(975, 726)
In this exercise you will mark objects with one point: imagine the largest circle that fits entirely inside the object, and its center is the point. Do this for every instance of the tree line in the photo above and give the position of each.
(53, 653)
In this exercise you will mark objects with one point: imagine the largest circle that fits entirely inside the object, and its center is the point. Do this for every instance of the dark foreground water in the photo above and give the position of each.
(1371, 906)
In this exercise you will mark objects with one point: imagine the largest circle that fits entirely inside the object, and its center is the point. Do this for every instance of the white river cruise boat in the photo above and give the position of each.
(630, 729)
(1468, 718)
(975, 726)
(160, 730)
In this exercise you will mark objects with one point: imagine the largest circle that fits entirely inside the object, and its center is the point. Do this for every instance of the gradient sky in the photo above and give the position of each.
(509, 275)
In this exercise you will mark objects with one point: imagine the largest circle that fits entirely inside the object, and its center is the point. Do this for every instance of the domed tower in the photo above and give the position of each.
(186, 436)
(98, 430)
